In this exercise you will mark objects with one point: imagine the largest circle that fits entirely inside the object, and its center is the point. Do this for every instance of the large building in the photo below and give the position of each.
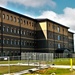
(19, 34)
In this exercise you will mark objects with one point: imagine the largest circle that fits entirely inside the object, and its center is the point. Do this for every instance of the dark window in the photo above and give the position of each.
(21, 21)
(11, 18)
(3, 41)
(3, 28)
(24, 21)
(24, 32)
(7, 29)
(27, 22)
(32, 24)
(18, 20)
(58, 28)
(14, 19)
(7, 17)
(3, 16)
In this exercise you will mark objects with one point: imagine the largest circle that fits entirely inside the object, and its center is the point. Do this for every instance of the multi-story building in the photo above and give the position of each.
(19, 34)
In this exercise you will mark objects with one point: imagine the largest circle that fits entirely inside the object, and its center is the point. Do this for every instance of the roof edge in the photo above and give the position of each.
(46, 19)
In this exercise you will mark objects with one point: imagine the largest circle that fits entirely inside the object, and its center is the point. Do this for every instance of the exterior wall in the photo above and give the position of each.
(41, 37)
(19, 33)
(57, 35)
(14, 31)
(71, 41)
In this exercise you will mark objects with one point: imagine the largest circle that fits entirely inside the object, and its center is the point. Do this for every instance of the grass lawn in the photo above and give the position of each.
(53, 70)
(62, 61)
(59, 61)
(13, 69)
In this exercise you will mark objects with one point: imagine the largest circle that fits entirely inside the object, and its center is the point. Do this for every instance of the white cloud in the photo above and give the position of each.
(3, 2)
(67, 18)
(31, 3)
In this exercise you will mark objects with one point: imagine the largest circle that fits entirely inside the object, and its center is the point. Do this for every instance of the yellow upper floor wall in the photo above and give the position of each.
(57, 28)
(16, 20)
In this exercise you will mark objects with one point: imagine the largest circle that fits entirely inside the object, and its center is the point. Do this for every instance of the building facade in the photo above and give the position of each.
(19, 34)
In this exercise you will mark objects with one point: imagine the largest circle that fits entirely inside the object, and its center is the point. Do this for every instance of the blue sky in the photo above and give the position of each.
(61, 11)
(36, 11)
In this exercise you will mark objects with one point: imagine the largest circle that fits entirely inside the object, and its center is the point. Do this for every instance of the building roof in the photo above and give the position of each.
(5, 9)
(38, 20)
(45, 19)
(71, 32)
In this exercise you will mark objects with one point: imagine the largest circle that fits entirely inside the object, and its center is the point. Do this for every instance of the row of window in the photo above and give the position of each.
(17, 31)
(17, 42)
(11, 18)
(55, 27)
(57, 45)
(57, 37)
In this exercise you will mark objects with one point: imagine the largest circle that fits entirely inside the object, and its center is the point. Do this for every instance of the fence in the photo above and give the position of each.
(37, 59)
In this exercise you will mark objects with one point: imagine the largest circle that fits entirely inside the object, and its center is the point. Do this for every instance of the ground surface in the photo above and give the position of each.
(49, 71)
(13, 69)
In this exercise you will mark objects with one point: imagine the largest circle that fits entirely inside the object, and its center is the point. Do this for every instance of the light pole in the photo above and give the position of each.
(39, 60)
(28, 60)
(34, 58)
(9, 65)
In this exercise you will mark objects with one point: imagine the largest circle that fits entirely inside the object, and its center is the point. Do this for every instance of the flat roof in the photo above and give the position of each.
(45, 19)
(8, 10)
(36, 20)
(71, 32)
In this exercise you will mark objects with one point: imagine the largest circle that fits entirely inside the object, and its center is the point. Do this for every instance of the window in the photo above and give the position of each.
(58, 29)
(24, 32)
(11, 18)
(24, 21)
(3, 28)
(58, 37)
(30, 23)
(18, 20)
(21, 32)
(21, 42)
(27, 22)
(11, 42)
(18, 42)
(14, 19)
(15, 42)
(18, 31)
(58, 45)
(11, 30)
(3, 41)
(21, 20)
(7, 29)
(7, 17)
(24, 43)
(7, 41)
(3, 16)
(15, 30)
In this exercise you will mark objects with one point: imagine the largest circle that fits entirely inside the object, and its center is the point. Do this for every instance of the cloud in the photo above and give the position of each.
(67, 18)
(3, 2)
(30, 3)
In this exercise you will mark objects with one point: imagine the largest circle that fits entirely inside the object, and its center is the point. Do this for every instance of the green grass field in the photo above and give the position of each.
(13, 69)
(60, 61)
(49, 71)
